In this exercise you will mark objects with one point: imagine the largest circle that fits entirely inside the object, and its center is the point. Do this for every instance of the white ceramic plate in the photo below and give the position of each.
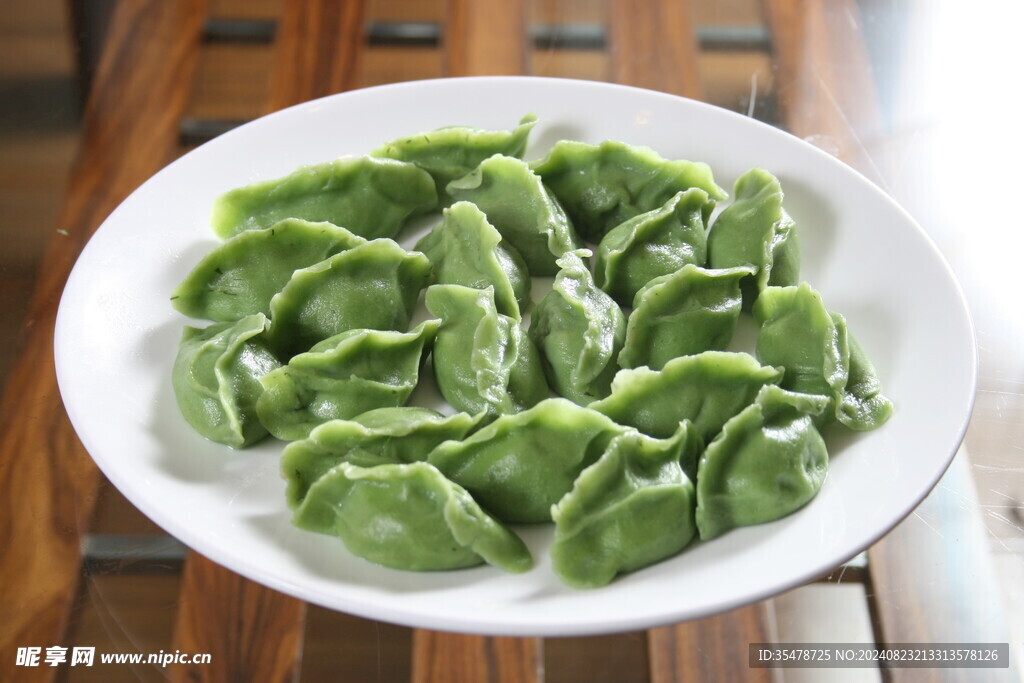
(117, 336)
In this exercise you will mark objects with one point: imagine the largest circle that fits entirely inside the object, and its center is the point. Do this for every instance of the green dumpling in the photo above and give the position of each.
(521, 464)
(707, 389)
(452, 152)
(381, 436)
(216, 379)
(603, 185)
(241, 275)
(408, 516)
(483, 361)
(579, 330)
(685, 313)
(631, 508)
(341, 377)
(370, 197)
(651, 245)
(374, 286)
(522, 209)
(767, 462)
(813, 345)
(465, 249)
(755, 230)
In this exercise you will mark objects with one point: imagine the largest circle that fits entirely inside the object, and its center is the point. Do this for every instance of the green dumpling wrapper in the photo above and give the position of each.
(756, 230)
(688, 312)
(651, 245)
(241, 275)
(707, 389)
(408, 516)
(483, 361)
(342, 377)
(520, 465)
(813, 345)
(601, 186)
(216, 379)
(370, 197)
(579, 330)
(381, 436)
(372, 286)
(522, 209)
(630, 509)
(465, 249)
(767, 462)
(452, 152)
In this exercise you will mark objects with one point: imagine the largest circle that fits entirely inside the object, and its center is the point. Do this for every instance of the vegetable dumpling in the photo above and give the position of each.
(216, 379)
(341, 377)
(408, 516)
(768, 461)
(371, 197)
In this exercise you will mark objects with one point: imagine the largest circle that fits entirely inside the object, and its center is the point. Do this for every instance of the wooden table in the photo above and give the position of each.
(930, 580)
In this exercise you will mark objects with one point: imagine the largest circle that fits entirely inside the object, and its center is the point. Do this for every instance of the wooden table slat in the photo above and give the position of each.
(654, 45)
(440, 657)
(485, 38)
(48, 483)
(253, 633)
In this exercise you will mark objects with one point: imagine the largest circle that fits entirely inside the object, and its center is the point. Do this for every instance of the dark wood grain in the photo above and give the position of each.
(439, 657)
(318, 52)
(485, 38)
(711, 649)
(252, 632)
(47, 481)
(654, 45)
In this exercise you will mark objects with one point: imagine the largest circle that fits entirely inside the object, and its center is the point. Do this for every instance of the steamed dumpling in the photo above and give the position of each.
(374, 286)
(241, 275)
(216, 379)
(579, 330)
(756, 230)
(688, 312)
(452, 152)
(370, 197)
(603, 185)
(521, 208)
(341, 377)
(408, 516)
(651, 245)
(631, 508)
(767, 462)
(464, 249)
(483, 361)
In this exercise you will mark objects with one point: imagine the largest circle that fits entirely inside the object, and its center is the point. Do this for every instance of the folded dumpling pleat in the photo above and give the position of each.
(651, 245)
(631, 508)
(370, 197)
(767, 462)
(464, 249)
(342, 377)
(603, 185)
(408, 516)
(707, 389)
(522, 209)
(579, 330)
(452, 152)
(688, 312)
(216, 379)
(483, 361)
(374, 285)
(241, 275)
(520, 465)
(756, 230)
(381, 436)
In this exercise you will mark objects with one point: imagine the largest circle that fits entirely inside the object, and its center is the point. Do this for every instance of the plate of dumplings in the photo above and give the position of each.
(517, 356)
